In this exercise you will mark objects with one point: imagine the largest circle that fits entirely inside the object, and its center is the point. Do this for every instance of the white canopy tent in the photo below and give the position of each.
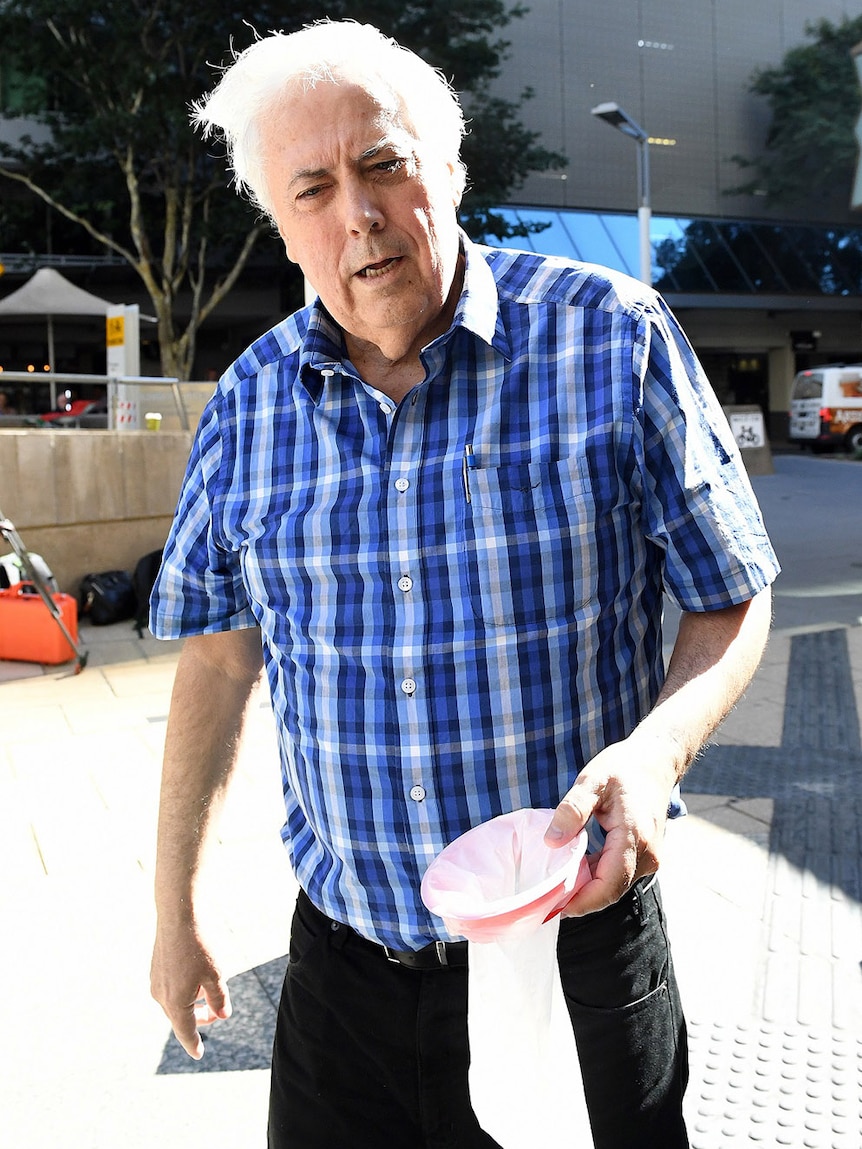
(49, 294)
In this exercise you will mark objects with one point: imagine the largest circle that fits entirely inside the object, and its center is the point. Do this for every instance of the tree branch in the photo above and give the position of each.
(68, 213)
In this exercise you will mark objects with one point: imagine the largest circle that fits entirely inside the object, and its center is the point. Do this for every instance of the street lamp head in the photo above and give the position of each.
(614, 115)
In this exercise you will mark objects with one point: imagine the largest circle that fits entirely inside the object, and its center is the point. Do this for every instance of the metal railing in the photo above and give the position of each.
(110, 383)
(26, 262)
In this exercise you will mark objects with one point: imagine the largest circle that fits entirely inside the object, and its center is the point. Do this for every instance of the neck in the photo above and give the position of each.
(392, 363)
(393, 376)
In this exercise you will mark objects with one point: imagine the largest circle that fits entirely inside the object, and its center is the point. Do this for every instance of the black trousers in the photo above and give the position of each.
(371, 1054)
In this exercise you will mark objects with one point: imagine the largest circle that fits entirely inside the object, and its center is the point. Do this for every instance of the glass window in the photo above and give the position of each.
(555, 238)
(808, 386)
(704, 255)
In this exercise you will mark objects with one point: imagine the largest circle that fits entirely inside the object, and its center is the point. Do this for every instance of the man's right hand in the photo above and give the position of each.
(188, 985)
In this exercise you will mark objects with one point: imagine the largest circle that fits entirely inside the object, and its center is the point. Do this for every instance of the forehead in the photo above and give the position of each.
(347, 113)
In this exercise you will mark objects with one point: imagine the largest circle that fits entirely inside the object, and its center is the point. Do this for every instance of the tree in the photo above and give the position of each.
(814, 97)
(115, 83)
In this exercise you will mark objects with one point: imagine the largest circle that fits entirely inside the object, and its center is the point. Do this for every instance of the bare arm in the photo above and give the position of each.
(214, 680)
(628, 785)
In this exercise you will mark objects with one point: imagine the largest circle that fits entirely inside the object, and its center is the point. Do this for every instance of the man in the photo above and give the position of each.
(444, 501)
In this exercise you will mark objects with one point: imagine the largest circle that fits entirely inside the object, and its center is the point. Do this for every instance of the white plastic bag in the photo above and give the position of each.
(502, 888)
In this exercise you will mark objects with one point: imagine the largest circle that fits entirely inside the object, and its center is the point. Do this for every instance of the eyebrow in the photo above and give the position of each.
(375, 149)
(303, 174)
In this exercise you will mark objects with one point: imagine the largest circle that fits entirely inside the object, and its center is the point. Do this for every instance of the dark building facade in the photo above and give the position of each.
(751, 284)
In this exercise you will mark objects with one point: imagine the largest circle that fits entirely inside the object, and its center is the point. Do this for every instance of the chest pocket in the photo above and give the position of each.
(529, 533)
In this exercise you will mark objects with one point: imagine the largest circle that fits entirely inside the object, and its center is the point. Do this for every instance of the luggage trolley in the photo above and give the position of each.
(34, 576)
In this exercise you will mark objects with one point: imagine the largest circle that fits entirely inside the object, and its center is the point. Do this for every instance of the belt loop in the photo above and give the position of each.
(641, 887)
(638, 905)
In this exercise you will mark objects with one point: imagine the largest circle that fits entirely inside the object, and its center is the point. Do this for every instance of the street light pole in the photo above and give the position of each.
(614, 115)
(644, 211)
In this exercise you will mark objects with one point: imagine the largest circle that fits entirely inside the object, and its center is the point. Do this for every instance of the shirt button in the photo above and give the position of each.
(405, 583)
(417, 793)
(386, 409)
(409, 686)
(402, 484)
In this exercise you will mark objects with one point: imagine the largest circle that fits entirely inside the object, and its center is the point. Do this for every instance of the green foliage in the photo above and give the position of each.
(499, 152)
(814, 97)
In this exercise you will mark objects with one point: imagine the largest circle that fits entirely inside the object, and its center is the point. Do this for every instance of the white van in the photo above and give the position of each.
(826, 407)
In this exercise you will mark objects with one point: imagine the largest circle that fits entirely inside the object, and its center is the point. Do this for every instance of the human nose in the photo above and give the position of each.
(362, 213)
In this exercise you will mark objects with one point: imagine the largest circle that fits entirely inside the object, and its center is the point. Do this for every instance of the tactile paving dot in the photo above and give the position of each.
(773, 1086)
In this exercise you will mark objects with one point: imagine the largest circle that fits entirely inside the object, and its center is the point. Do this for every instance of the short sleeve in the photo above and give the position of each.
(199, 588)
(699, 506)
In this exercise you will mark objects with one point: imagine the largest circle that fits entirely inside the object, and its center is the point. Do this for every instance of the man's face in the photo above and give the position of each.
(366, 211)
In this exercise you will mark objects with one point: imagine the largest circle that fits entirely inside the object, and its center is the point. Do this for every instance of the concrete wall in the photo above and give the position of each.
(91, 500)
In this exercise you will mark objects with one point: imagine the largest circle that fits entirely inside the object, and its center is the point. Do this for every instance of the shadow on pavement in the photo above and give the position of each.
(815, 775)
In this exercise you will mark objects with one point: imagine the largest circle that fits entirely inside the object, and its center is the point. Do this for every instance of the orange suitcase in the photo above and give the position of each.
(28, 630)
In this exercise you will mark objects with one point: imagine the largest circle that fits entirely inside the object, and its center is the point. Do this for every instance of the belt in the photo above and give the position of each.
(437, 955)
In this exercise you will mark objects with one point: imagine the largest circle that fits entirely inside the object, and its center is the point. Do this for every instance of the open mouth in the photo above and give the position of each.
(376, 270)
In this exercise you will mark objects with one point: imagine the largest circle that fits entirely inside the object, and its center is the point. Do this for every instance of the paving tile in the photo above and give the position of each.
(760, 809)
(125, 650)
(126, 715)
(13, 671)
(19, 724)
(790, 1085)
(134, 679)
(737, 820)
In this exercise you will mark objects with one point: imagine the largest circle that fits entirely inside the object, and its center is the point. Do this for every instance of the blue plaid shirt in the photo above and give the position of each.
(459, 596)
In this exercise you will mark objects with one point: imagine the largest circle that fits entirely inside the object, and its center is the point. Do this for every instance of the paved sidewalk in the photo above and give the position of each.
(762, 883)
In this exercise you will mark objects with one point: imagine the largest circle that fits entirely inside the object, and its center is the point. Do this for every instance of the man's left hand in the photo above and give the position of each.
(627, 787)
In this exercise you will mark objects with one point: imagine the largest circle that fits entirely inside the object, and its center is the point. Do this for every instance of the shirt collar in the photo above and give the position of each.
(478, 309)
(322, 351)
(478, 312)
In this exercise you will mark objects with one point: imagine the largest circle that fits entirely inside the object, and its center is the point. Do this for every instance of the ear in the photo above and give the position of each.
(286, 243)
(457, 181)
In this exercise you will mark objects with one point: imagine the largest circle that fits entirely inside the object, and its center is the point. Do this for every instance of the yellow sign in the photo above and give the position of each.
(115, 330)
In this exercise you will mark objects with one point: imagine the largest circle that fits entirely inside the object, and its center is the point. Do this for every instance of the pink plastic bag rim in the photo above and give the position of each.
(563, 878)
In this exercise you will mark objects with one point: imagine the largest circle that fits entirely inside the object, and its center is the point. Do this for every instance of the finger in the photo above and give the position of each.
(571, 815)
(186, 1032)
(595, 895)
(613, 870)
(215, 1004)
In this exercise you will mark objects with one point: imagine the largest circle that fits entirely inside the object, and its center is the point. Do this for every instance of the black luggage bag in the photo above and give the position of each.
(107, 597)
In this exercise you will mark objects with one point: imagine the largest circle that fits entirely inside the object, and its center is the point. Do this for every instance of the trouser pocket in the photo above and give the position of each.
(622, 997)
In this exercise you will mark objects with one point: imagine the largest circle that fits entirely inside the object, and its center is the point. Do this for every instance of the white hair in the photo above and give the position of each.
(325, 52)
